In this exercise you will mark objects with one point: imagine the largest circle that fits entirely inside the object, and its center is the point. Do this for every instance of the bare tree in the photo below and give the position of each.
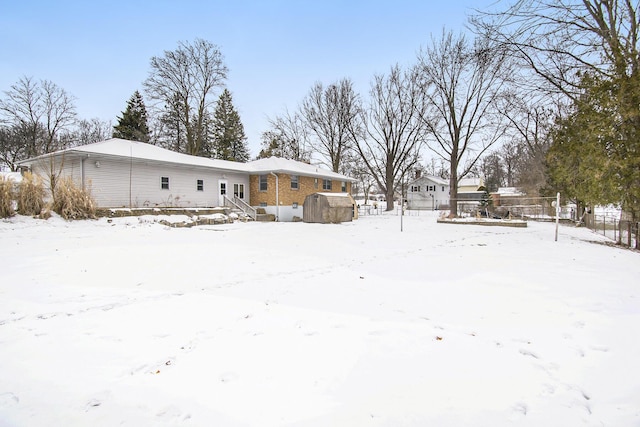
(288, 138)
(184, 81)
(330, 112)
(12, 147)
(463, 84)
(42, 110)
(560, 40)
(394, 128)
(90, 131)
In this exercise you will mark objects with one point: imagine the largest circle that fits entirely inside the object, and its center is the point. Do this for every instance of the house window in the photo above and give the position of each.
(223, 188)
(263, 204)
(263, 182)
(200, 185)
(238, 190)
(294, 182)
(344, 187)
(164, 182)
(294, 206)
(443, 188)
(415, 188)
(326, 184)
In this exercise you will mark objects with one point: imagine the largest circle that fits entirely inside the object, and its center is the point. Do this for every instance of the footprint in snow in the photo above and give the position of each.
(528, 353)
(8, 399)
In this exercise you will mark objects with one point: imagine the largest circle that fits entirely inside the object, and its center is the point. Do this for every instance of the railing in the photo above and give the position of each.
(242, 205)
(623, 232)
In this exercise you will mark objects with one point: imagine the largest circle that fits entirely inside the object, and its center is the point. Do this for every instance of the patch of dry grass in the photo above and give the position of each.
(73, 202)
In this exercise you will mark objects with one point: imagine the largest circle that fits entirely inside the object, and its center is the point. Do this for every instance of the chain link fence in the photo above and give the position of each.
(623, 232)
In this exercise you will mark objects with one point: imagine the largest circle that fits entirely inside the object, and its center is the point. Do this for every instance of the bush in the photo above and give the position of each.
(31, 193)
(72, 202)
(6, 198)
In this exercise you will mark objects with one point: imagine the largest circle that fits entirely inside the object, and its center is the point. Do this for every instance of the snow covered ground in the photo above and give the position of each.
(289, 324)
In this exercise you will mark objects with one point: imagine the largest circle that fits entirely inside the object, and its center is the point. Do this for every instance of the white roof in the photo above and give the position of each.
(471, 182)
(510, 191)
(144, 151)
(435, 179)
(278, 164)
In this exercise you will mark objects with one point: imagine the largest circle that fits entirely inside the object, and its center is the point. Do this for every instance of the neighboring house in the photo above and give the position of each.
(428, 193)
(280, 186)
(508, 196)
(131, 174)
(470, 185)
(471, 191)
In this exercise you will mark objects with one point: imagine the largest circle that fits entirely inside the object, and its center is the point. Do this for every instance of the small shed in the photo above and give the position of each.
(328, 208)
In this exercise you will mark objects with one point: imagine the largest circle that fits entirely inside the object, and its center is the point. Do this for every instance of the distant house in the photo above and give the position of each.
(428, 193)
(131, 174)
(471, 191)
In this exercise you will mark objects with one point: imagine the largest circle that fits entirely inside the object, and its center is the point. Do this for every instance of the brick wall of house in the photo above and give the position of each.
(288, 196)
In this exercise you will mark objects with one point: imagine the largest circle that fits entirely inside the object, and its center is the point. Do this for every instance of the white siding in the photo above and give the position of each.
(116, 182)
(138, 184)
(427, 198)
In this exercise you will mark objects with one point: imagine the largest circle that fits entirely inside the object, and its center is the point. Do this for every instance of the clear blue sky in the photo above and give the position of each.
(99, 51)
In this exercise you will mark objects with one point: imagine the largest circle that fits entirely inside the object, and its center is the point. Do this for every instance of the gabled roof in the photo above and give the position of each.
(435, 179)
(293, 167)
(471, 182)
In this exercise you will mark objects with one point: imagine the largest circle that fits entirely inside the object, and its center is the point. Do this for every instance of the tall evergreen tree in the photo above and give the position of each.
(133, 123)
(229, 140)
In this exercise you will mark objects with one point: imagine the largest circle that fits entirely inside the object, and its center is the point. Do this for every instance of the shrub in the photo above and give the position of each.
(31, 194)
(6, 197)
(72, 202)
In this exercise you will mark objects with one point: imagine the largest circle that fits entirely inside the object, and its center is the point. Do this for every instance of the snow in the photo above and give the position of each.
(132, 323)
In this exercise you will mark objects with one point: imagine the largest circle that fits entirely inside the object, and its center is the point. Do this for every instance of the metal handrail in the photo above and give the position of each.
(242, 205)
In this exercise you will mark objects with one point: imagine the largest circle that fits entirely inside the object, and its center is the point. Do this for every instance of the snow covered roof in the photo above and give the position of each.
(510, 191)
(141, 150)
(471, 182)
(430, 178)
(278, 164)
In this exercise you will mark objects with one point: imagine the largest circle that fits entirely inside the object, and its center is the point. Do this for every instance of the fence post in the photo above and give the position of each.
(637, 235)
(629, 234)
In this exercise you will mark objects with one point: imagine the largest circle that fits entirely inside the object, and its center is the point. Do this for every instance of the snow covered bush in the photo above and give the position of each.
(31, 194)
(6, 197)
(72, 202)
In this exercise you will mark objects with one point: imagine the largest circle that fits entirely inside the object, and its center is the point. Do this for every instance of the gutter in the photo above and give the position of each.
(277, 201)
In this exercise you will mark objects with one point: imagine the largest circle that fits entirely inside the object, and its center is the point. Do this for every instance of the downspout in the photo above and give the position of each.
(82, 179)
(277, 201)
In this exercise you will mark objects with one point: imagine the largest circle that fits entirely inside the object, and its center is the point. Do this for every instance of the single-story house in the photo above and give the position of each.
(428, 193)
(131, 174)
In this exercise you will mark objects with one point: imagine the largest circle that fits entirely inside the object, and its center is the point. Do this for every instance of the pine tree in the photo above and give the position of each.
(133, 123)
(229, 140)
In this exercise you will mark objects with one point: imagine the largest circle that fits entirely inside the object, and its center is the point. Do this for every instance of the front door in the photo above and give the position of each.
(222, 191)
